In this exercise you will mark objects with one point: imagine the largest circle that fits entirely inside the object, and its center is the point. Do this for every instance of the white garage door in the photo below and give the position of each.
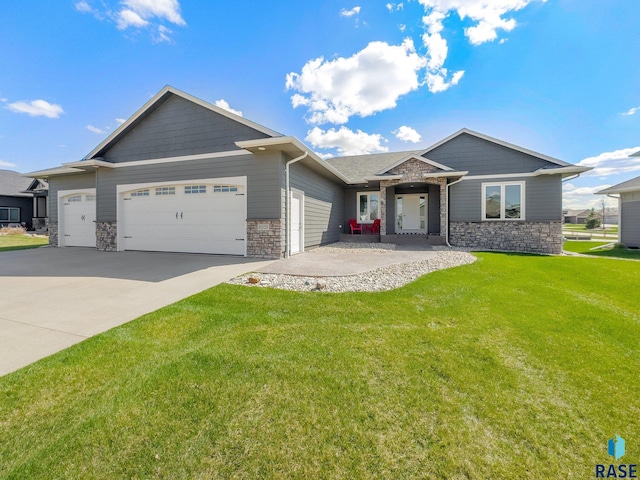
(193, 218)
(79, 220)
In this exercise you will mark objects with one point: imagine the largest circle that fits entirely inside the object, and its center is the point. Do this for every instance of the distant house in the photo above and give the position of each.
(23, 200)
(578, 217)
(629, 207)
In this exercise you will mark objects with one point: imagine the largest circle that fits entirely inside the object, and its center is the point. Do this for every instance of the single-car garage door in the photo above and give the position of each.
(78, 220)
(197, 217)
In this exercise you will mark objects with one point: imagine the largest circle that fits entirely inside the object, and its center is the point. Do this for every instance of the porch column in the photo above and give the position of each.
(383, 209)
(443, 208)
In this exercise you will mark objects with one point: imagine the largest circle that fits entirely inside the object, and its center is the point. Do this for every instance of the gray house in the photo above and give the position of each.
(629, 209)
(183, 175)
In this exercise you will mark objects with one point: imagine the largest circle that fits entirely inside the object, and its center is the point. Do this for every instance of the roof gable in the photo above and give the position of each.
(412, 158)
(174, 123)
(632, 185)
(13, 184)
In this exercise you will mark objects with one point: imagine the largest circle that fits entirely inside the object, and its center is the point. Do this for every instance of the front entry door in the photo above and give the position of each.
(411, 213)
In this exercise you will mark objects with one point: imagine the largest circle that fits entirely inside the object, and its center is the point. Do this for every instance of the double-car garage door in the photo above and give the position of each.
(196, 217)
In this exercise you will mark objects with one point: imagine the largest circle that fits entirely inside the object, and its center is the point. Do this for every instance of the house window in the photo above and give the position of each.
(75, 198)
(9, 214)
(224, 188)
(140, 193)
(166, 191)
(503, 201)
(368, 207)
(195, 189)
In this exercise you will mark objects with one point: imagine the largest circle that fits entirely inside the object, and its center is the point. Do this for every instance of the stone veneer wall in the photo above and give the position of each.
(264, 238)
(107, 236)
(535, 237)
(53, 234)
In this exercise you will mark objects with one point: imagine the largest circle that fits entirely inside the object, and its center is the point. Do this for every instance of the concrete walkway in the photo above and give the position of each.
(339, 262)
(52, 298)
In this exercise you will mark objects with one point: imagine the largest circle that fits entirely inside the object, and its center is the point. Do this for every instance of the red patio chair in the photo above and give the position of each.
(354, 226)
(374, 228)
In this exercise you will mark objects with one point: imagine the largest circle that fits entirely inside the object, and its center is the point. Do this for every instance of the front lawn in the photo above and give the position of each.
(517, 366)
(20, 242)
(586, 248)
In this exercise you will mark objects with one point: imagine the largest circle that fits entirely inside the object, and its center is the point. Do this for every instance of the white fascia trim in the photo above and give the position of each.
(497, 142)
(289, 140)
(183, 158)
(53, 171)
(502, 200)
(89, 163)
(445, 174)
(541, 171)
(186, 96)
(374, 178)
(610, 190)
(414, 157)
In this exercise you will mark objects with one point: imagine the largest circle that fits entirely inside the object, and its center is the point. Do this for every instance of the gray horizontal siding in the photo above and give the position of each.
(543, 198)
(25, 204)
(179, 127)
(630, 221)
(481, 157)
(263, 182)
(67, 182)
(323, 205)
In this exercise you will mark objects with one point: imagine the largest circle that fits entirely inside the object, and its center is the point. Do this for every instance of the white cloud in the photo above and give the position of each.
(225, 105)
(129, 18)
(37, 108)
(83, 6)
(162, 35)
(4, 164)
(407, 134)
(583, 197)
(369, 81)
(350, 13)
(346, 141)
(612, 163)
(161, 9)
(437, 52)
(488, 15)
(93, 129)
(631, 111)
(395, 7)
(120, 121)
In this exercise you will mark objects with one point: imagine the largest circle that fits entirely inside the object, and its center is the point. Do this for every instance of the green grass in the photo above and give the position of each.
(586, 248)
(518, 366)
(21, 242)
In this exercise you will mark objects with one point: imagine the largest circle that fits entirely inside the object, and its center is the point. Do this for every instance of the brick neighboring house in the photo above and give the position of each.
(186, 176)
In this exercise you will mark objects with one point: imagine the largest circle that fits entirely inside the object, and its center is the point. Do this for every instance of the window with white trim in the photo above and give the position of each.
(9, 214)
(224, 188)
(368, 207)
(166, 191)
(140, 193)
(503, 201)
(195, 189)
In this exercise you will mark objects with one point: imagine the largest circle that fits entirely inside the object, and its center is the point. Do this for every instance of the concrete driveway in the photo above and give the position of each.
(51, 298)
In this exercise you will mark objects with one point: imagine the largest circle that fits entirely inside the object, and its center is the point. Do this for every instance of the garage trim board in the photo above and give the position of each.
(77, 218)
(193, 216)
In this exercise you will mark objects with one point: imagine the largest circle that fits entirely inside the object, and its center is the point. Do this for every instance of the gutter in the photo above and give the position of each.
(287, 188)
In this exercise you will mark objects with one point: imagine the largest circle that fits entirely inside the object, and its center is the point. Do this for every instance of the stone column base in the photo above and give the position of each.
(264, 238)
(534, 237)
(107, 236)
(53, 234)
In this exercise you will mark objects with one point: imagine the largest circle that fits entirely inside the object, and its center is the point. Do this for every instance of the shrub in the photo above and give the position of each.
(593, 220)
(13, 231)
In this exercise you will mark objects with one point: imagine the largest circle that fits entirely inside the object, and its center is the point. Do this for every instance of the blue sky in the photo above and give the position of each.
(561, 77)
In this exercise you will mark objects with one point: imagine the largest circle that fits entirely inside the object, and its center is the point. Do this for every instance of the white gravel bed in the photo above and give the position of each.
(384, 278)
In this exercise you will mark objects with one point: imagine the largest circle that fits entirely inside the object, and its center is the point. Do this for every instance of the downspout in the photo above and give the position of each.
(287, 229)
(446, 234)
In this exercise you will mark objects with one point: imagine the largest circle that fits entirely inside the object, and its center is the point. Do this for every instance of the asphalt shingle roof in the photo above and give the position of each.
(633, 184)
(13, 183)
(356, 167)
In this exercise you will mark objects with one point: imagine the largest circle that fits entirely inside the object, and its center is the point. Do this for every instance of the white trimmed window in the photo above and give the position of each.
(368, 207)
(9, 214)
(195, 189)
(503, 201)
(166, 191)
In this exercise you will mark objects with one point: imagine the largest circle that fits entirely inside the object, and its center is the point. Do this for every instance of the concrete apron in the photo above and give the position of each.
(54, 298)
(343, 262)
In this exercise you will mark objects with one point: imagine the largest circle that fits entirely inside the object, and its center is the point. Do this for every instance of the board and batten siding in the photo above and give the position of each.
(179, 127)
(630, 219)
(263, 182)
(67, 182)
(323, 205)
(543, 198)
(481, 157)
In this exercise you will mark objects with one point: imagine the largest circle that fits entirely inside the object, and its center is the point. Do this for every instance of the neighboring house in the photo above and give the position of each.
(629, 210)
(183, 175)
(576, 216)
(16, 204)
